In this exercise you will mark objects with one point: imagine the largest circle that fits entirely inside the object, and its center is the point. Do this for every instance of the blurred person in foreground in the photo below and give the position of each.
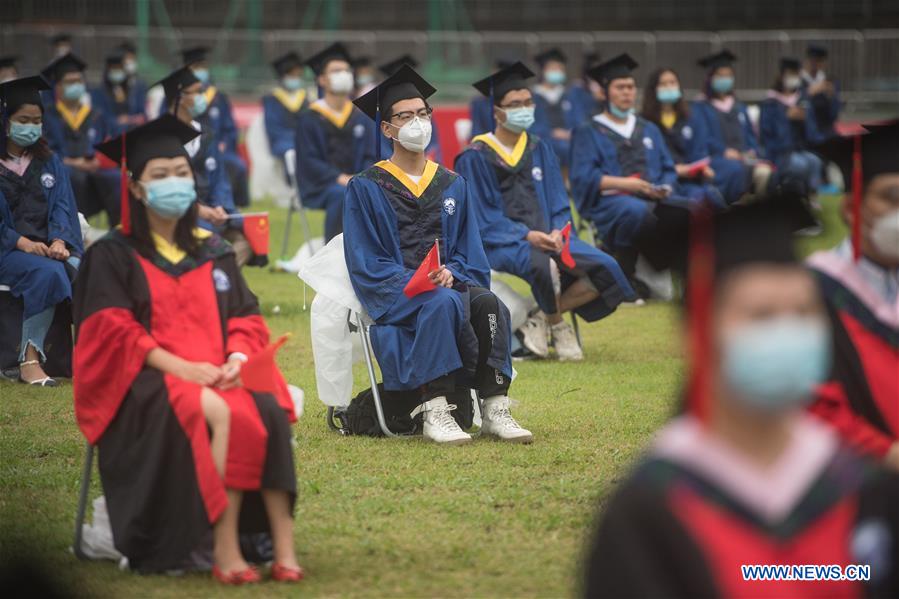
(860, 283)
(745, 476)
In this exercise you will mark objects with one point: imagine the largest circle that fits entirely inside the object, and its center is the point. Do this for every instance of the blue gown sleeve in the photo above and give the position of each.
(467, 259)
(373, 259)
(227, 127)
(220, 193)
(52, 131)
(585, 169)
(698, 144)
(62, 209)
(280, 134)
(554, 187)
(487, 202)
(668, 176)
(314, 172)
(9, 237)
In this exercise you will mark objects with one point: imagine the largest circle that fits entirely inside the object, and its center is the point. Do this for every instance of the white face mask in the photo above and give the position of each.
(792, 83)
(415, 135)
(340, 82)
(885, 235)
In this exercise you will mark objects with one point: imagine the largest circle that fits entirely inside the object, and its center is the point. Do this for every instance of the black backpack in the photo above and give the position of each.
(361, 418)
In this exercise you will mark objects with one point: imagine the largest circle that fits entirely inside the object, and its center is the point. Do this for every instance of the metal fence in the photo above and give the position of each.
(865, 61)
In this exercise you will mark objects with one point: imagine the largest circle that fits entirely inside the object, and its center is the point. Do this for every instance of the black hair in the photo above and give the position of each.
(39, 149)
(652, 108)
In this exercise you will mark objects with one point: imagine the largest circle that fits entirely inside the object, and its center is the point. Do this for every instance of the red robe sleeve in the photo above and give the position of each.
(832, 405)
(111, 346)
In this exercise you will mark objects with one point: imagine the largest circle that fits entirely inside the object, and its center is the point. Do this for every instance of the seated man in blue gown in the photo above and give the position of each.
(456, 334)
(522, 207)
(282, 107)
(432, 152)
(620, 166)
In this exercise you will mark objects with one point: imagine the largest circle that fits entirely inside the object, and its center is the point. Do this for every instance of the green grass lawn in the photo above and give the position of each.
(380, 517)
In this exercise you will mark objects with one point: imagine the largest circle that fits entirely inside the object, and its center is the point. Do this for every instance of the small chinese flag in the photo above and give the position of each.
(256, 230)
(260, 373)
(567, 258)
(420, 281)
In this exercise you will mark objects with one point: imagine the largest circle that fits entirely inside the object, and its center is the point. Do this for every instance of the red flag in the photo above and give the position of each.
(695, 169)
(699, 300)
(420, 281)
(256, 230)
(260, 373)
(567, 258)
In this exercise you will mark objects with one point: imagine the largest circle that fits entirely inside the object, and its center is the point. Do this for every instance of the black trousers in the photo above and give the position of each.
(489, 320)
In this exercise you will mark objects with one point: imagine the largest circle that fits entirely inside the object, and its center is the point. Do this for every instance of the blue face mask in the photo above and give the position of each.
(618, 113)
(170, 197)
(722, 85)
(775, 365)
(202, 75)
(554, 77)
(668, 95)
(199, 106)
(292, 84)
(73, 91)
(519, 119)
(24, 134)
(116, 76)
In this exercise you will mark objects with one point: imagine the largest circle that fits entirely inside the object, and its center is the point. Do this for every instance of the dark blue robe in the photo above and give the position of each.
(481, 114)
(513, 195)
(421, 339)
(41, 282)
(687, 142)
(133, 104)
(566, 114)
(281, 124)
(618, 217)
(220, 117)
(824, 112)
(324, 152)
(213, 186)
(716, 139)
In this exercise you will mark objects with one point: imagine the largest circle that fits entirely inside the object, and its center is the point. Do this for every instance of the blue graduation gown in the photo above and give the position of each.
(213, 186)
(433, 151)
(481, 114)
(134, 105)
(41, 282)
(421, 339)
(781, 136)
(281, 124)
(619, 217)
(220, 117)
(571, 114)
(583, 99)
(716, 143)
(533, 175)
(824, 112)
(687, 142)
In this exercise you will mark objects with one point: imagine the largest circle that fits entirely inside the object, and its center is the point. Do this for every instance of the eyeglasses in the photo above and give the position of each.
(513, 105)
(407, 115)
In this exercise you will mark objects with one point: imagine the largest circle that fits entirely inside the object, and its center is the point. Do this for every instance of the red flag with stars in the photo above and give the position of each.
(256, 230)
(420, 281)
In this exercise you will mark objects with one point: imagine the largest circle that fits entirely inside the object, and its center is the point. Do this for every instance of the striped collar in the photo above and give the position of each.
(510, 159)
(415, 188)
(73, 119)
(338, 119)
(292, 101)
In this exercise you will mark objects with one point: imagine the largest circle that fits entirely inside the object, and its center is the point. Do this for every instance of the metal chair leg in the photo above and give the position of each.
(369, 364)
(577, 329)
(82, 501)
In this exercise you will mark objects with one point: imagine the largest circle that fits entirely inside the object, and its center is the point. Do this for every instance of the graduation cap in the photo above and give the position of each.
(703, 247)
(319, 61)
(725, 58)
(788, 63)
(127, 47)
(8, 62)
(552, 54)
(286, 63)
(194, 54)
(114, 59)
(62, 66)
(176, 81)
(815, 50)
(61, 38)
(163, 137)
(402, 85)
(508, 78)
(389, 68)
(25, 90)
(860, 158)
(616, 68)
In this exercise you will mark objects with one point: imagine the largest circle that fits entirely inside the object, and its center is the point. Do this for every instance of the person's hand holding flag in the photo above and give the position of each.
(429, 274)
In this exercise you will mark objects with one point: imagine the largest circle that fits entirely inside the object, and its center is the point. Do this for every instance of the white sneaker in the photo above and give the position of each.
(565, 342)
(535, 332)
(498, 421)
(439, 424)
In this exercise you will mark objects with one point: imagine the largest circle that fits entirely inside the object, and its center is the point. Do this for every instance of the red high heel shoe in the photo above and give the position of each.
(285, 574)
(249, 575)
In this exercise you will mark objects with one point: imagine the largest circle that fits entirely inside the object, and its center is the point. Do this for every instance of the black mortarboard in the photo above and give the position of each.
(127, 47)
(319, 61)
(509, 78)
(176, 81)
(25, 90)
(788, 63)
(361, 61)
(616, 68)
(550, 54)
(389, 68)
(402, 85)
(7, 62)
(115, 58)
(725, 58)
(814, 50)
(194, 54)
(60, 38)
(286, 63)
(163, 137)
(65, 64)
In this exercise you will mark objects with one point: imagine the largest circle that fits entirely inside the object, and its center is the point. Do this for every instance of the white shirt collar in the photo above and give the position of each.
(624, 130)
(884, 281)
(550, 94)
(193, 146)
